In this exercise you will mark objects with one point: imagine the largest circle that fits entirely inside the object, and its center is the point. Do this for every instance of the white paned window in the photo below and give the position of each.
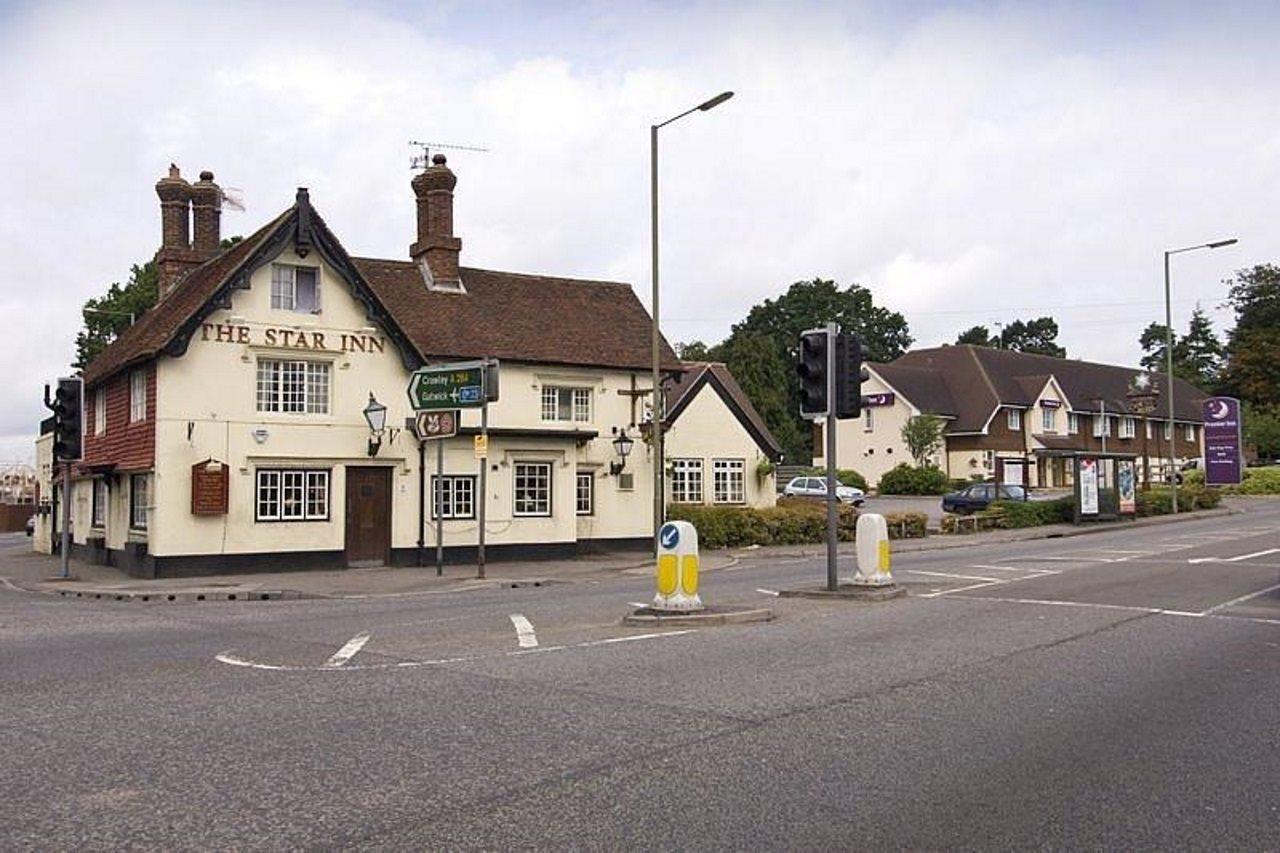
(533, 488)
(686, 481)
(1147, 426)
(728, 481)
(139, 500)
(566, 403)
(293, 386)
(137, 396)
(1046, 420)
(295, 289)
(585, 493)
(100, 411)
(1190, 434)
(1168, 431)
(1128, 428)
(100, 497)
(1013, 417)
(292, 494)
(1073, 423)
(455, 497)
(1101, 426)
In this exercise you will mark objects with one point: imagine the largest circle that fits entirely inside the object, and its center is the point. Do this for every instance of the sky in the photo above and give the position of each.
(967, 162)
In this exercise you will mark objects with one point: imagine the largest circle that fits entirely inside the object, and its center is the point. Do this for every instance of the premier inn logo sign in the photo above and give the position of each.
(300, 339)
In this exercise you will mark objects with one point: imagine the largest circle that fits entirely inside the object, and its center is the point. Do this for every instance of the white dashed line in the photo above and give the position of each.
(767, 591)
(348, 651)
(524, 632)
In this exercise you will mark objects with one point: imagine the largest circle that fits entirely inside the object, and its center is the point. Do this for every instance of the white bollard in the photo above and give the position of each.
(873, 551)
(677, 569)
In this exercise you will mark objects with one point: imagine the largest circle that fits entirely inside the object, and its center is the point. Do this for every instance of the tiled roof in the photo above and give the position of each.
(922, 387)
(530, 318)
(981, 378)
(680, 393)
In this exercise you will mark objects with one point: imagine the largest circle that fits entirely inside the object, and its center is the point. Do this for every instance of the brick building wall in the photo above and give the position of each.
(128, 446)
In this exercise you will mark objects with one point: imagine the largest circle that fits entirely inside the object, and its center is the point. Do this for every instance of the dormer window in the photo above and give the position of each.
(295, 289)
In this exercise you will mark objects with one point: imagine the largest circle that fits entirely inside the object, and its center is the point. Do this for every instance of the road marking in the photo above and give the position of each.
(232, 659)
(767, 591)
(1224, 605)
(1089, 605)
(950, 575)
(7, 585)
(1235, 559)
(524, 632)
(639, 605)
(348, 651)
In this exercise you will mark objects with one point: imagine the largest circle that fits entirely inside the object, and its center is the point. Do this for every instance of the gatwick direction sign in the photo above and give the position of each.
(448, 386)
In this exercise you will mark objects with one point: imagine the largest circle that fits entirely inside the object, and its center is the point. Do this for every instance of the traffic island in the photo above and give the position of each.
(650, 617)
(848, 591)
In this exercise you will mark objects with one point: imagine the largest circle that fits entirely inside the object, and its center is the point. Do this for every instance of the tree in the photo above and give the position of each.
(978, 336)
(105, 317)
(1252, 368)
(1197, 356)
(767, 379)
(923, 436)
(1152, 340)
(1035, 336)
(693, 351)
(1262, 429)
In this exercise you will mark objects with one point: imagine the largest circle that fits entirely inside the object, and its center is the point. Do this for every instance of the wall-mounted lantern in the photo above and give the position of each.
(622, 444)
(375, 415)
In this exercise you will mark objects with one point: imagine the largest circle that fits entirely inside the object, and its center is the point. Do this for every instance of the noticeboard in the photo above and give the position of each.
(209, 487)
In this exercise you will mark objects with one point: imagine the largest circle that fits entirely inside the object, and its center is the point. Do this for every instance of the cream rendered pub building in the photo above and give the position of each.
(225, 429)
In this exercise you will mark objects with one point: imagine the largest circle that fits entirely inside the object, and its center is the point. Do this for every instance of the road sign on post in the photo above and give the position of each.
(434, 425)
(449, 386)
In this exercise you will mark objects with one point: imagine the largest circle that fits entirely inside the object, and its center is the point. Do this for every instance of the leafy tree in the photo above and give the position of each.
(1197, 356)
(1152, 340)
(978, 336)
(693, 351)
(923, 436)
(754, 360)
(1252, 369)
(1036, 336)
(1262, 429)
(105, 317)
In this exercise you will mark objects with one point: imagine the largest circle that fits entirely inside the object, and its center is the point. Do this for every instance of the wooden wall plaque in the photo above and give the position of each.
(209, 487)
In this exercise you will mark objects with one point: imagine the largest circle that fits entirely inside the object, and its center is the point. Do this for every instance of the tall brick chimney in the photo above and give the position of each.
(436, 243)
(175, 256)
(206, 217)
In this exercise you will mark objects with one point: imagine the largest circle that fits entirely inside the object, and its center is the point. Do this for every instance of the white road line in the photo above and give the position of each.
(767, 591)
(1017, 569)
(1224, 605)
(1088, 605)
(348, 651)
(637, 604)
(1235, 559)
(960, 589)
(524, 632)
(232, 659)
(951, 575)
(7, 585)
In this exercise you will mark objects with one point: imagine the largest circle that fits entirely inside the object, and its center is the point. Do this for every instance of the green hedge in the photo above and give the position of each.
(1013, 514)
(906, 479)
(1190, 497)
(794, 521)
(1257, 481)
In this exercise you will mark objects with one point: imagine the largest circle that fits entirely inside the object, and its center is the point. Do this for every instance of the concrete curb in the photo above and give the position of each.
(848, 592)
(177, 597)
(647, 618)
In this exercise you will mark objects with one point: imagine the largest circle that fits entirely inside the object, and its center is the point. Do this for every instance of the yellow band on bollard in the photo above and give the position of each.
(689, 574)
(667, 574)
(676, 575)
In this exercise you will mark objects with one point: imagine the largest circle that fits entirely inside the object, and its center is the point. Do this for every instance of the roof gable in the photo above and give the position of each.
(716, 375)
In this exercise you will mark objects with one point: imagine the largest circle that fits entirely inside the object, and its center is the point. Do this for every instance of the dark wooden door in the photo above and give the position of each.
(368, 516)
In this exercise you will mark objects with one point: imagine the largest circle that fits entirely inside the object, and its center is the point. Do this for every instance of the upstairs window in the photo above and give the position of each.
(1046, 420)
(1147, 426)
(1168, 430)
(137, 396)
(1128, 428)
(1190, 434)
(293, 386)
(1013, 417)
(1101, 426)
(295, 289)
(868, 419)
(100, 411)
(566, 403)
(1073, 423)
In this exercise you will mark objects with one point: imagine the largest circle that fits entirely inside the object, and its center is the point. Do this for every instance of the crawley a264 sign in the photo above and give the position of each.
(450, 386)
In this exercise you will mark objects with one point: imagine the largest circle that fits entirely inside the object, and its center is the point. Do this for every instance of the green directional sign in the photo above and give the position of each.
(447, 387)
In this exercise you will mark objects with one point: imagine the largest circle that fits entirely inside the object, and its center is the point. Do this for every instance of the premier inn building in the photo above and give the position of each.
(225, 430)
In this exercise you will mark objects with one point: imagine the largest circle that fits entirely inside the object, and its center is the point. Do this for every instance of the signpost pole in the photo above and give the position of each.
(422, 496)
(439, 508)
(65, 556)
(833, 330)
(484, 491)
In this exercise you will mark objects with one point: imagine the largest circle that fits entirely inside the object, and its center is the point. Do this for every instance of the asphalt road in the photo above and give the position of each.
(1119, 690)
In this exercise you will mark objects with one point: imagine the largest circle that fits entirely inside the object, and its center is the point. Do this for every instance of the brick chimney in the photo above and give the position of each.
(175, 257)
(206, 217)
(436, 243)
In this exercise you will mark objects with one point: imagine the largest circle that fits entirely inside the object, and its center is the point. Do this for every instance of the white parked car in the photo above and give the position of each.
(816, 487)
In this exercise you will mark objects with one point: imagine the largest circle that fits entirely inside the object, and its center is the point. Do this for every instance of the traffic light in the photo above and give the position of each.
(850, 374)
(67, 420)
(813, 373)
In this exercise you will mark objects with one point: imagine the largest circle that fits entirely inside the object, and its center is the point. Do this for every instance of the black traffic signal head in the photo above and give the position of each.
(850, 374)
(67, 420)
(813, 373)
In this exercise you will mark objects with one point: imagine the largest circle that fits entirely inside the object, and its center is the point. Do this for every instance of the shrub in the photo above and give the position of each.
(906, 525)
(1012, 514)
(1194, 477)
(907, 480)
(1258, 481)
(794, 521)
(845, 476)
(1190, 497)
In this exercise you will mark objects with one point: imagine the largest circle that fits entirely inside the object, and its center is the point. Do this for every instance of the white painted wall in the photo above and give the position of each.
(707, 429)
(872, 452)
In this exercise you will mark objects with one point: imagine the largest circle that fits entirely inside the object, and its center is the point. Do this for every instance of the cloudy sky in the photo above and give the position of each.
(969, 162)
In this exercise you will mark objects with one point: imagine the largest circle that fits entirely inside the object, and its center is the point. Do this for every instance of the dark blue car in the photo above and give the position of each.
(979, 496)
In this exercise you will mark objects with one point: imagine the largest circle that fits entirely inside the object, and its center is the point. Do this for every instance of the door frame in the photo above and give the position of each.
(386, 473)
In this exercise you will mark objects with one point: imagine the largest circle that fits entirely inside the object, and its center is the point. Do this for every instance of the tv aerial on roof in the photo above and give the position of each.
(423, 160)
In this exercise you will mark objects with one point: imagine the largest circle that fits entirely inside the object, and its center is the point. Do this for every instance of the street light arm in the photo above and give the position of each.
(704, 106)
(1216, 244)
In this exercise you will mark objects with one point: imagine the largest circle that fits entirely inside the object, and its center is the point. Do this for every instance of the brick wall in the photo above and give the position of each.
(128, 446)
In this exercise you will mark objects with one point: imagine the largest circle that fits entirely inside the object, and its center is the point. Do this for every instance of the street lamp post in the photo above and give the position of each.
(655, 419)
(1168, 354)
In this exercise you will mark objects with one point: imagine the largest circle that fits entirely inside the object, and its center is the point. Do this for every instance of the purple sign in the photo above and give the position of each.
(1050, 404)
(1222, 445)
(884, 399)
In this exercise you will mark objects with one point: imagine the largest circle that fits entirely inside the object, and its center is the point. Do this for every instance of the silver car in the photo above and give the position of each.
(816, 487)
